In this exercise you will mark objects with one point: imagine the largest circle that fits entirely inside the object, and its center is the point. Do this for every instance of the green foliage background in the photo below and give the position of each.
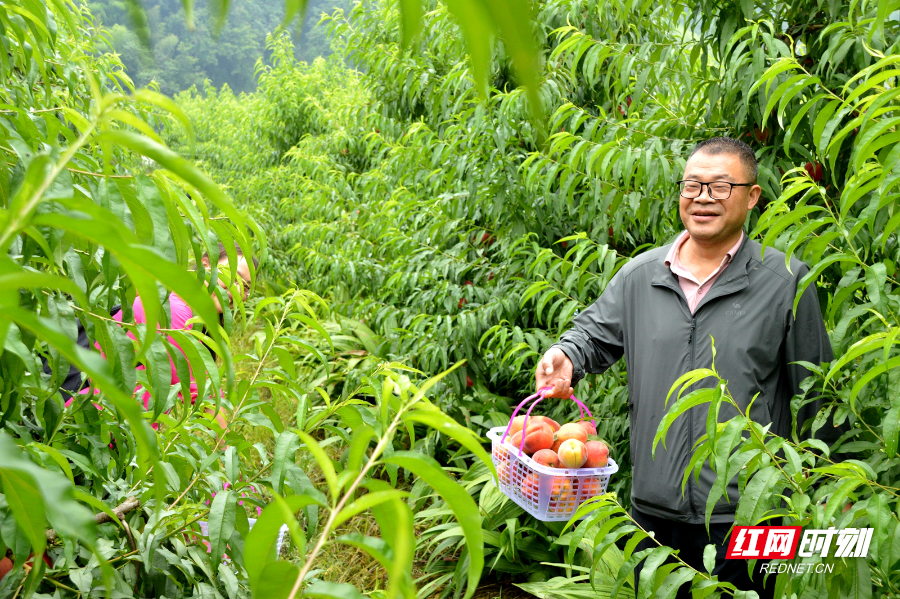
(430, 221)
(460, 228)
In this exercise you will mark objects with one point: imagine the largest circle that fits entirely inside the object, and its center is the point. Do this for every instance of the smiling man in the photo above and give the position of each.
(660, 312)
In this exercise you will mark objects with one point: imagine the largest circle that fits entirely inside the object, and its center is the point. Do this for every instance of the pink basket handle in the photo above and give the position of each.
(538, 397)
(516, 411)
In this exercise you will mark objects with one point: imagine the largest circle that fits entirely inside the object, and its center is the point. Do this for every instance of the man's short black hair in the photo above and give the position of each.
(728, 145)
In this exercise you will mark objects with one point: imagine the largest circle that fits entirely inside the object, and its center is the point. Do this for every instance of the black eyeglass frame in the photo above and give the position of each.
(708, 189)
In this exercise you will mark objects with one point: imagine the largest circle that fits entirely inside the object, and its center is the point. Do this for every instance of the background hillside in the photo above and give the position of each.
(179, 57)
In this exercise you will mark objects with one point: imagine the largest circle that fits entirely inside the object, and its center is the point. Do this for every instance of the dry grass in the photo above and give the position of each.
(342, 563)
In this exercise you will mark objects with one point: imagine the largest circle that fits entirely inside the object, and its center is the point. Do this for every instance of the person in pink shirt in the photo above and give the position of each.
(181, 314)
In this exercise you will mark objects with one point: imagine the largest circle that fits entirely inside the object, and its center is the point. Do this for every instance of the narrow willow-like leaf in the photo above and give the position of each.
(462, 505)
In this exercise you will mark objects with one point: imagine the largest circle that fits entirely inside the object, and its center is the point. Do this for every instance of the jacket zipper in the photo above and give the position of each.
(691, 412)
(706, 300)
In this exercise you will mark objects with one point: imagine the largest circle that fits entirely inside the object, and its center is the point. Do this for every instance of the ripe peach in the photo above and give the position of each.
(503, 472)
(588, 486)
(501, 456)
(553, 424)
(588, 426)
(814, 170)
(562, 487)
(568, 431)
(537, 436)
(518, 423)
(538, 425)
(572, 453)
(531, 486)
(572, 430)
(537, 439)
(546, 457)
(562, 494)
(597, 454)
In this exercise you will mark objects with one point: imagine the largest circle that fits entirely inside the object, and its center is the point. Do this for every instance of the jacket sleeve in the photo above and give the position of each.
(595, 341)
(807, 340)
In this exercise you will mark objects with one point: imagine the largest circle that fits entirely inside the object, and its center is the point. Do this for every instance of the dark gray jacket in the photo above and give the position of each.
(643, 315)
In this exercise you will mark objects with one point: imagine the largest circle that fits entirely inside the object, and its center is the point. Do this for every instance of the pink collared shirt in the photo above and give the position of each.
(181, 313)
(695, 290)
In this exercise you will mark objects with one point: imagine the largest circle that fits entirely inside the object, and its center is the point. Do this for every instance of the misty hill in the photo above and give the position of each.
(180, 57)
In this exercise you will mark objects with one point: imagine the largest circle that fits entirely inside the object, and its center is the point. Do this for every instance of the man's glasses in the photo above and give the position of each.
(718, 190)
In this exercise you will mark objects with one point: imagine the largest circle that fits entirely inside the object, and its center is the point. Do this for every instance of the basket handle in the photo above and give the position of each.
(581, 407)
(540, 396)
(516, 411)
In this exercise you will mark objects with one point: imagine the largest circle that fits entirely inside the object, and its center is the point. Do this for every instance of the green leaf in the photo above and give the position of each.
(289, 506)
(366, 502)
(286, 444)
(447, 426)
(29, 279)
(96, 368)
(36, 495)
(276, 580)
(332, 590)
(681, 406)
(460, 502)
(816, 271)
(27, 505)
(890, 427)
(259, 547)
(97, 504)
(221, 523)
(673, 582)
(876, 277)
(627, 570)
(709, 558)
(648, 573)
(138, 19)
(376, 548)
(860, 581)
(324, 462)
(688, 379)
(359, 443)
(410, 21)
(291, 9)
(757, 496)
(870, 374)
(475, 21)
(395, 521)
(58, 458)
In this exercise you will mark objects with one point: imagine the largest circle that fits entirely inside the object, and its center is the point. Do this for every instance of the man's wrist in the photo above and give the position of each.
(577, 370)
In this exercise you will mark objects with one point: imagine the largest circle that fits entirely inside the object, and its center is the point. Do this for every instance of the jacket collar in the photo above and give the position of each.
(733, 279)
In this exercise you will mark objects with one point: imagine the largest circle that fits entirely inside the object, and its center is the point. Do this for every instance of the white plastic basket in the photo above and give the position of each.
(548, 494)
